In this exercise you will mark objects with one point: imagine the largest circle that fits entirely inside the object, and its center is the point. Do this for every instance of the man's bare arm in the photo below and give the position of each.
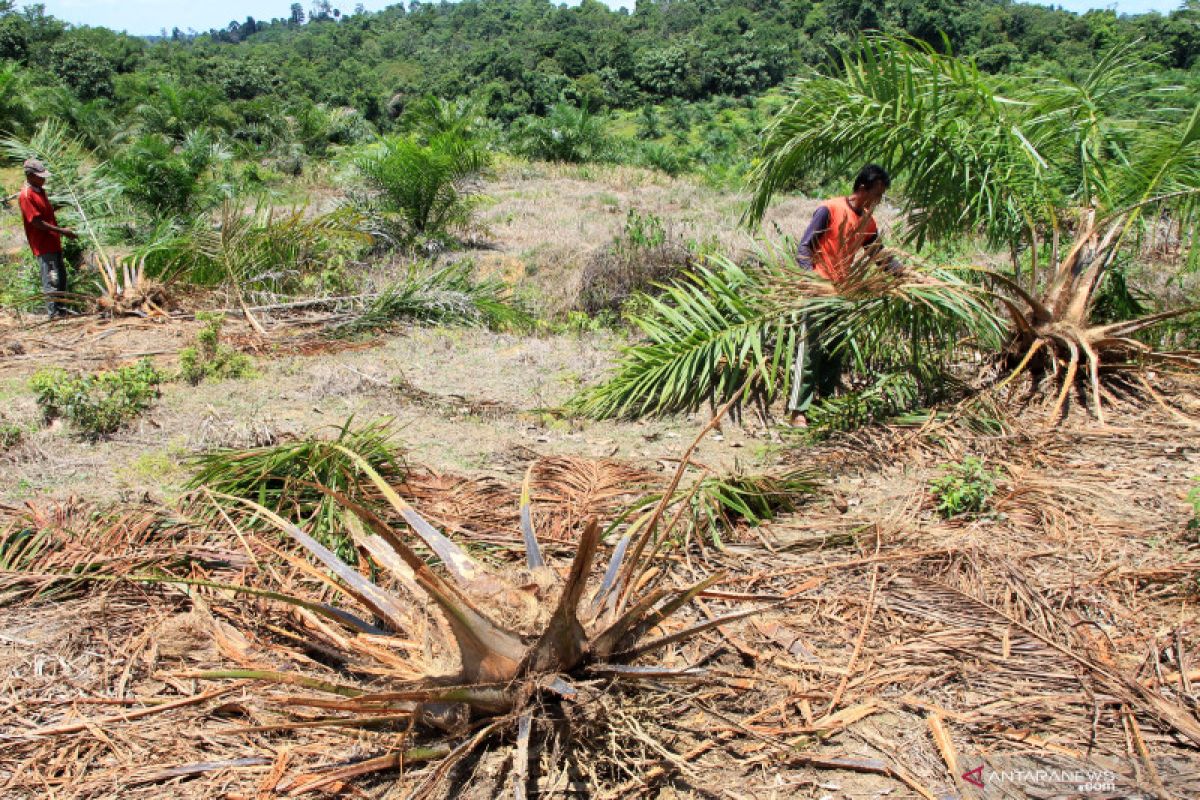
(42, 225)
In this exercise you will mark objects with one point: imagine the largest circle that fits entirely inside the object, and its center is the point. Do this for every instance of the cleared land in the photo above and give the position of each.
(1052, 643)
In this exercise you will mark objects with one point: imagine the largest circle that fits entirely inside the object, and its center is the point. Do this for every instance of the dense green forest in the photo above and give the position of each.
(519, 57)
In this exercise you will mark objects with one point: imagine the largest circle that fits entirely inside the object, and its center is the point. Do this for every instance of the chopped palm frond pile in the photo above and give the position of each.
(51, 551)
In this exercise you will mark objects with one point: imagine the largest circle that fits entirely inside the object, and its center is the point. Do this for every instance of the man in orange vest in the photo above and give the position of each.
(44, 235)
(840, 228)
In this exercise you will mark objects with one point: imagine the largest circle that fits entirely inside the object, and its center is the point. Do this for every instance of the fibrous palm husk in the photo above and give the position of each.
(127, 291)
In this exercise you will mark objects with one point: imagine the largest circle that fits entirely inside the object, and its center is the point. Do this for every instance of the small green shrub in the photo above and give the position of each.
(168, 179)
(210, 359)
(100, 403)
(11, 434)
(964, 488)
(643, 231)
(20, 287)
(1194, 499)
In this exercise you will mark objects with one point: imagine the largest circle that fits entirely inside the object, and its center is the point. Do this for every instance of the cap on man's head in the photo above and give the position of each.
(35, 167)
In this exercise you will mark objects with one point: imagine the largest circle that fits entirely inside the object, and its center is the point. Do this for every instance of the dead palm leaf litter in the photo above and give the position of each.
(821, 648)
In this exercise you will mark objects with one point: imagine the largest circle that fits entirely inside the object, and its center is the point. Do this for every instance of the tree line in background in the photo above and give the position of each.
(521, 57)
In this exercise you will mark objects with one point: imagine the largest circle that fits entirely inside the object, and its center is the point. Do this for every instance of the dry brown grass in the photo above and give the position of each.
(1056, 635)
(550, 219)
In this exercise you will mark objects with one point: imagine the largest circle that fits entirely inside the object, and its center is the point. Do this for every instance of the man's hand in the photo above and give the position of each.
(70, 234)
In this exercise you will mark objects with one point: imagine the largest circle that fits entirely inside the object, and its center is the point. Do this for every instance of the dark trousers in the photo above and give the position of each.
(54, 282)
(817, 370)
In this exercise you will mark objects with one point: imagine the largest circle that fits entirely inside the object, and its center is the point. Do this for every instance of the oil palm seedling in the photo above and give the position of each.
(567, 133)
(430, 117)
(417, 189)
(168, 179)
(1043, 166)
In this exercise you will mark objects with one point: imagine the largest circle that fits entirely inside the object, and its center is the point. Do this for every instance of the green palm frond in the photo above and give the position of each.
(891, 315)
(707, 334)
(449, 295)
(264, 248)
(88, 195)
(936, 119)
(285, 477)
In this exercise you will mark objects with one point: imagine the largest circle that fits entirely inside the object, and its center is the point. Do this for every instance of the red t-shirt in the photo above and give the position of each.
(34, 204)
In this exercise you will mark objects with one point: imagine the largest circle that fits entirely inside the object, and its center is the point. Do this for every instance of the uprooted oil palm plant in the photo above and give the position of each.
(448, 656)
(1045, 167)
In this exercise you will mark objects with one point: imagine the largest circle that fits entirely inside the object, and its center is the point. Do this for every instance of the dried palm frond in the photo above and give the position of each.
(479, 507)
(570, 490)
(50, 551)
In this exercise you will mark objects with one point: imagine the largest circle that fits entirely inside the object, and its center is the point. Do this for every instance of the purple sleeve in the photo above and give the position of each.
(818, 226)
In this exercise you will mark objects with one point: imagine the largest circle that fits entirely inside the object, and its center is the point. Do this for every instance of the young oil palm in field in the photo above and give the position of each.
(415, 189)
(1046, 167)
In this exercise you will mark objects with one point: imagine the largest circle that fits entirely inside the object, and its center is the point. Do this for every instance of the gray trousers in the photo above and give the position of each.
(54, 281)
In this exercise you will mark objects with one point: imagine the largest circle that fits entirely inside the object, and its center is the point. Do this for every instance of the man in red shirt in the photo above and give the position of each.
(840, 228)
(44, 235)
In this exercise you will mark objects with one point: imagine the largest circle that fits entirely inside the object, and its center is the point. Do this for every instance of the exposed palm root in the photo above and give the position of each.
(1086, 359)
(1053, 338)
(126, 291)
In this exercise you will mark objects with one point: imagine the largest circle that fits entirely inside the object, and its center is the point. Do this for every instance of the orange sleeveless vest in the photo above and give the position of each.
(848, 231)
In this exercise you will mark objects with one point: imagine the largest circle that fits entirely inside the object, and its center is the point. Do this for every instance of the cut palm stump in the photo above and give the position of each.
(502, 648)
